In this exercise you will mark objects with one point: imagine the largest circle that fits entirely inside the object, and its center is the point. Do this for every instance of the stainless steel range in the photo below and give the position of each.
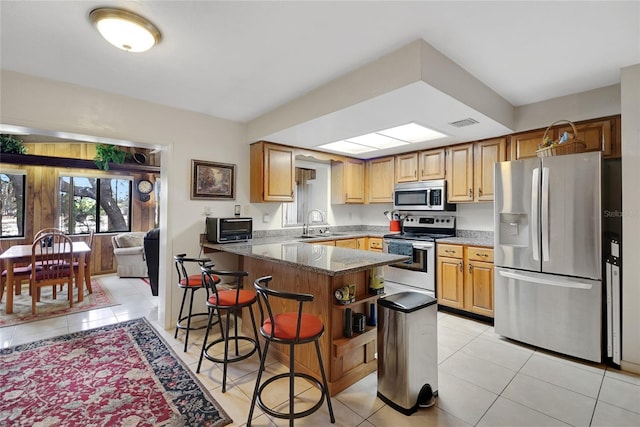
(417, 240)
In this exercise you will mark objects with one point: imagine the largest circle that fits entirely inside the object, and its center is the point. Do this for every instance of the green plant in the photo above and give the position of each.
(109, 153)
(9, 144)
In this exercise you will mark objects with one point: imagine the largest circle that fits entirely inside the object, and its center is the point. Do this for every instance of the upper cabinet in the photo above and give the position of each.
(407, 167)
(380, 180)
(598, 135)
(421, 166)
(460, 173)
(432, 164)
(470, 169)
(347, 181)
(272, 172)
(485, 155)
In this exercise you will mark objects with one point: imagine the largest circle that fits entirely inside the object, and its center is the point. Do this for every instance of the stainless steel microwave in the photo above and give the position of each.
(422, 196)
(227, 230)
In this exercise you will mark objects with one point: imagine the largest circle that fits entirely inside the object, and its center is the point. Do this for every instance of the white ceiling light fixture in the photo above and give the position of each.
(387, 138)
(125, 30)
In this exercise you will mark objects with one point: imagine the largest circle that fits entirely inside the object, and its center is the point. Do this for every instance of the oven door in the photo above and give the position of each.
(420, 273)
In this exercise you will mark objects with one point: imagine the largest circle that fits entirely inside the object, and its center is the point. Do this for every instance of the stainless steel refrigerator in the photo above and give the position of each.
(548, 253)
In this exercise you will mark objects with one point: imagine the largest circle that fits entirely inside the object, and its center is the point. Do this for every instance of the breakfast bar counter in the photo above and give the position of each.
(320, 270)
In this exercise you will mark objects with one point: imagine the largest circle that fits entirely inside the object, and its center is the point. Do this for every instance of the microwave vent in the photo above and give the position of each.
(464, 122)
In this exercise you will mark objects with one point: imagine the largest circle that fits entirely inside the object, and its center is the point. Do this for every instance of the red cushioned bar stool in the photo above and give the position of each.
(190, 283)
(230, 298)
(292, 328)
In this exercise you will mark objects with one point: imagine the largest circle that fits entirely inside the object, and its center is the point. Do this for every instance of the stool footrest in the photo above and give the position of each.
(192, 328)
(232, 359)
(295, 415)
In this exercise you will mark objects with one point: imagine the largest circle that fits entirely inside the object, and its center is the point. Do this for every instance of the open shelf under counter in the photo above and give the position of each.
(342, 345)
(370, 298)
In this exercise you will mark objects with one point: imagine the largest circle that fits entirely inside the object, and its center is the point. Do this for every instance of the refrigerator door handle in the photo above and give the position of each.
(544, 280)
(545, 214)
(535, 233)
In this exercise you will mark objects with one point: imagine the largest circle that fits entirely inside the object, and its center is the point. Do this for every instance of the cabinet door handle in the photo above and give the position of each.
(415, 173)
(482, 255)
(460, 267)
(471, 192)
(346, 195)
(470, 267)
(449, 251)
(479, 191)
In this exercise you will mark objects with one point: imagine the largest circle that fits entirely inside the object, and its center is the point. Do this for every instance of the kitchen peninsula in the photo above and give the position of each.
(319, 270)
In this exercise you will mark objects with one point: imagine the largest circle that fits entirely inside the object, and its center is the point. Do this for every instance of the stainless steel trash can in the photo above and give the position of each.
(407, 351)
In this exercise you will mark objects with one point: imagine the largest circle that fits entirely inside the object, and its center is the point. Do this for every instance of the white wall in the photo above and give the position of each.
(630, 78)
(475, 216)
(50, 106)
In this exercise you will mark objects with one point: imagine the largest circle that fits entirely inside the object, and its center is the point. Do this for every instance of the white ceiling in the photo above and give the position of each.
(239, 60)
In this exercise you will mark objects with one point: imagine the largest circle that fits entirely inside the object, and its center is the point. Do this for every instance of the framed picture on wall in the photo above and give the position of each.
(211, 181)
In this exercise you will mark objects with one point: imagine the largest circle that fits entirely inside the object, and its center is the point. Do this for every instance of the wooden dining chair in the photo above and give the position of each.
(55, 258)
(46, 231)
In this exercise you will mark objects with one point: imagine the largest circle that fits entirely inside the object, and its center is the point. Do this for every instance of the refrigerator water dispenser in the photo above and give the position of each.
(514, 229)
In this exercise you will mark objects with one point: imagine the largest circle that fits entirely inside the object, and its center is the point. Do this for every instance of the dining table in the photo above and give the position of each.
(22, 254)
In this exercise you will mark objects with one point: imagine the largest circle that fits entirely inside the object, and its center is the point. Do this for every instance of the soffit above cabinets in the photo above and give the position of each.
(414, 84)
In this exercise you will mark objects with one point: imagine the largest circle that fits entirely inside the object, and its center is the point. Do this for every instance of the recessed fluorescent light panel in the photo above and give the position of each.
(412, 132)
(376, 140)
(388, 138)
(346, 147)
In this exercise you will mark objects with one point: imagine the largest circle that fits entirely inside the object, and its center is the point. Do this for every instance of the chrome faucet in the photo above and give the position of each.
(305, 226)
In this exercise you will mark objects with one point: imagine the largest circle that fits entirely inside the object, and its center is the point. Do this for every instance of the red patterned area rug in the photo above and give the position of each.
(49, 307)
(118, 375)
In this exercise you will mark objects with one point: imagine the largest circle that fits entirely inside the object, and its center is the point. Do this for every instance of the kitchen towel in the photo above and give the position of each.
(401, 248)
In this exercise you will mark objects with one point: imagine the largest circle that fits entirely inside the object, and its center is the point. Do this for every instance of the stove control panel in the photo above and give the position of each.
(429, 221)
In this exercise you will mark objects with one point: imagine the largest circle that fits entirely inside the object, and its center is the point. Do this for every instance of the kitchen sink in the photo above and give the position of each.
(320, 235)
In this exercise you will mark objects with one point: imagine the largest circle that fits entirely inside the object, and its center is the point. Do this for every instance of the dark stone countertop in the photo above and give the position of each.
(303, 254)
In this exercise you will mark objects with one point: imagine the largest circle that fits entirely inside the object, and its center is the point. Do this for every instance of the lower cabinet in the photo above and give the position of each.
(464, 278)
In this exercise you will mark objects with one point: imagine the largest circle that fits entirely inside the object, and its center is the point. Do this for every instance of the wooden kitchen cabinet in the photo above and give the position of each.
(432, 164)
(485, 155)
(450, 281)
(357, 243)
(464, 278)
(460, 173)
(478, 282)
(375, 244)
(598, 135)
(470, 169)
(421, 166)
(407, 167)
(272, 172)
(347, 181)
(380, 180)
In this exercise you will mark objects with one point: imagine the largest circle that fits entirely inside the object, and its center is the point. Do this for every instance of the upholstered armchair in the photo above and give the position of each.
(128, 249)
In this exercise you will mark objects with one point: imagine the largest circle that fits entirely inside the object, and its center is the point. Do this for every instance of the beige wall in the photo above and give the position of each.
(630, 78)
(48, 107)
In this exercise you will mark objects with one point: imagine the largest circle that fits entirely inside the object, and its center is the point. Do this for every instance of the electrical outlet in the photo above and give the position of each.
(245, 210)
(208, 211)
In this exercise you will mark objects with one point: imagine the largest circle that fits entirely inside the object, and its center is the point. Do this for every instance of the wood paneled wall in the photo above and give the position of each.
(42, 197)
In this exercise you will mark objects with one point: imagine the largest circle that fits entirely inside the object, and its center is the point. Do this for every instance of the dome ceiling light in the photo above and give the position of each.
(125, 30)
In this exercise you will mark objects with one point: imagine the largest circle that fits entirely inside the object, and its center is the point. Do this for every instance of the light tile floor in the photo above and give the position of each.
(484, 380)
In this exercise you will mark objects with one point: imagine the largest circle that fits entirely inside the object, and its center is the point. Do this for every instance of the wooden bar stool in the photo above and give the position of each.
(190, 283)
(292, 328)
(229, 298)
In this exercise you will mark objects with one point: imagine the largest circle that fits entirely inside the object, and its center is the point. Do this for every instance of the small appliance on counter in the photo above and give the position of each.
(229, 230)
